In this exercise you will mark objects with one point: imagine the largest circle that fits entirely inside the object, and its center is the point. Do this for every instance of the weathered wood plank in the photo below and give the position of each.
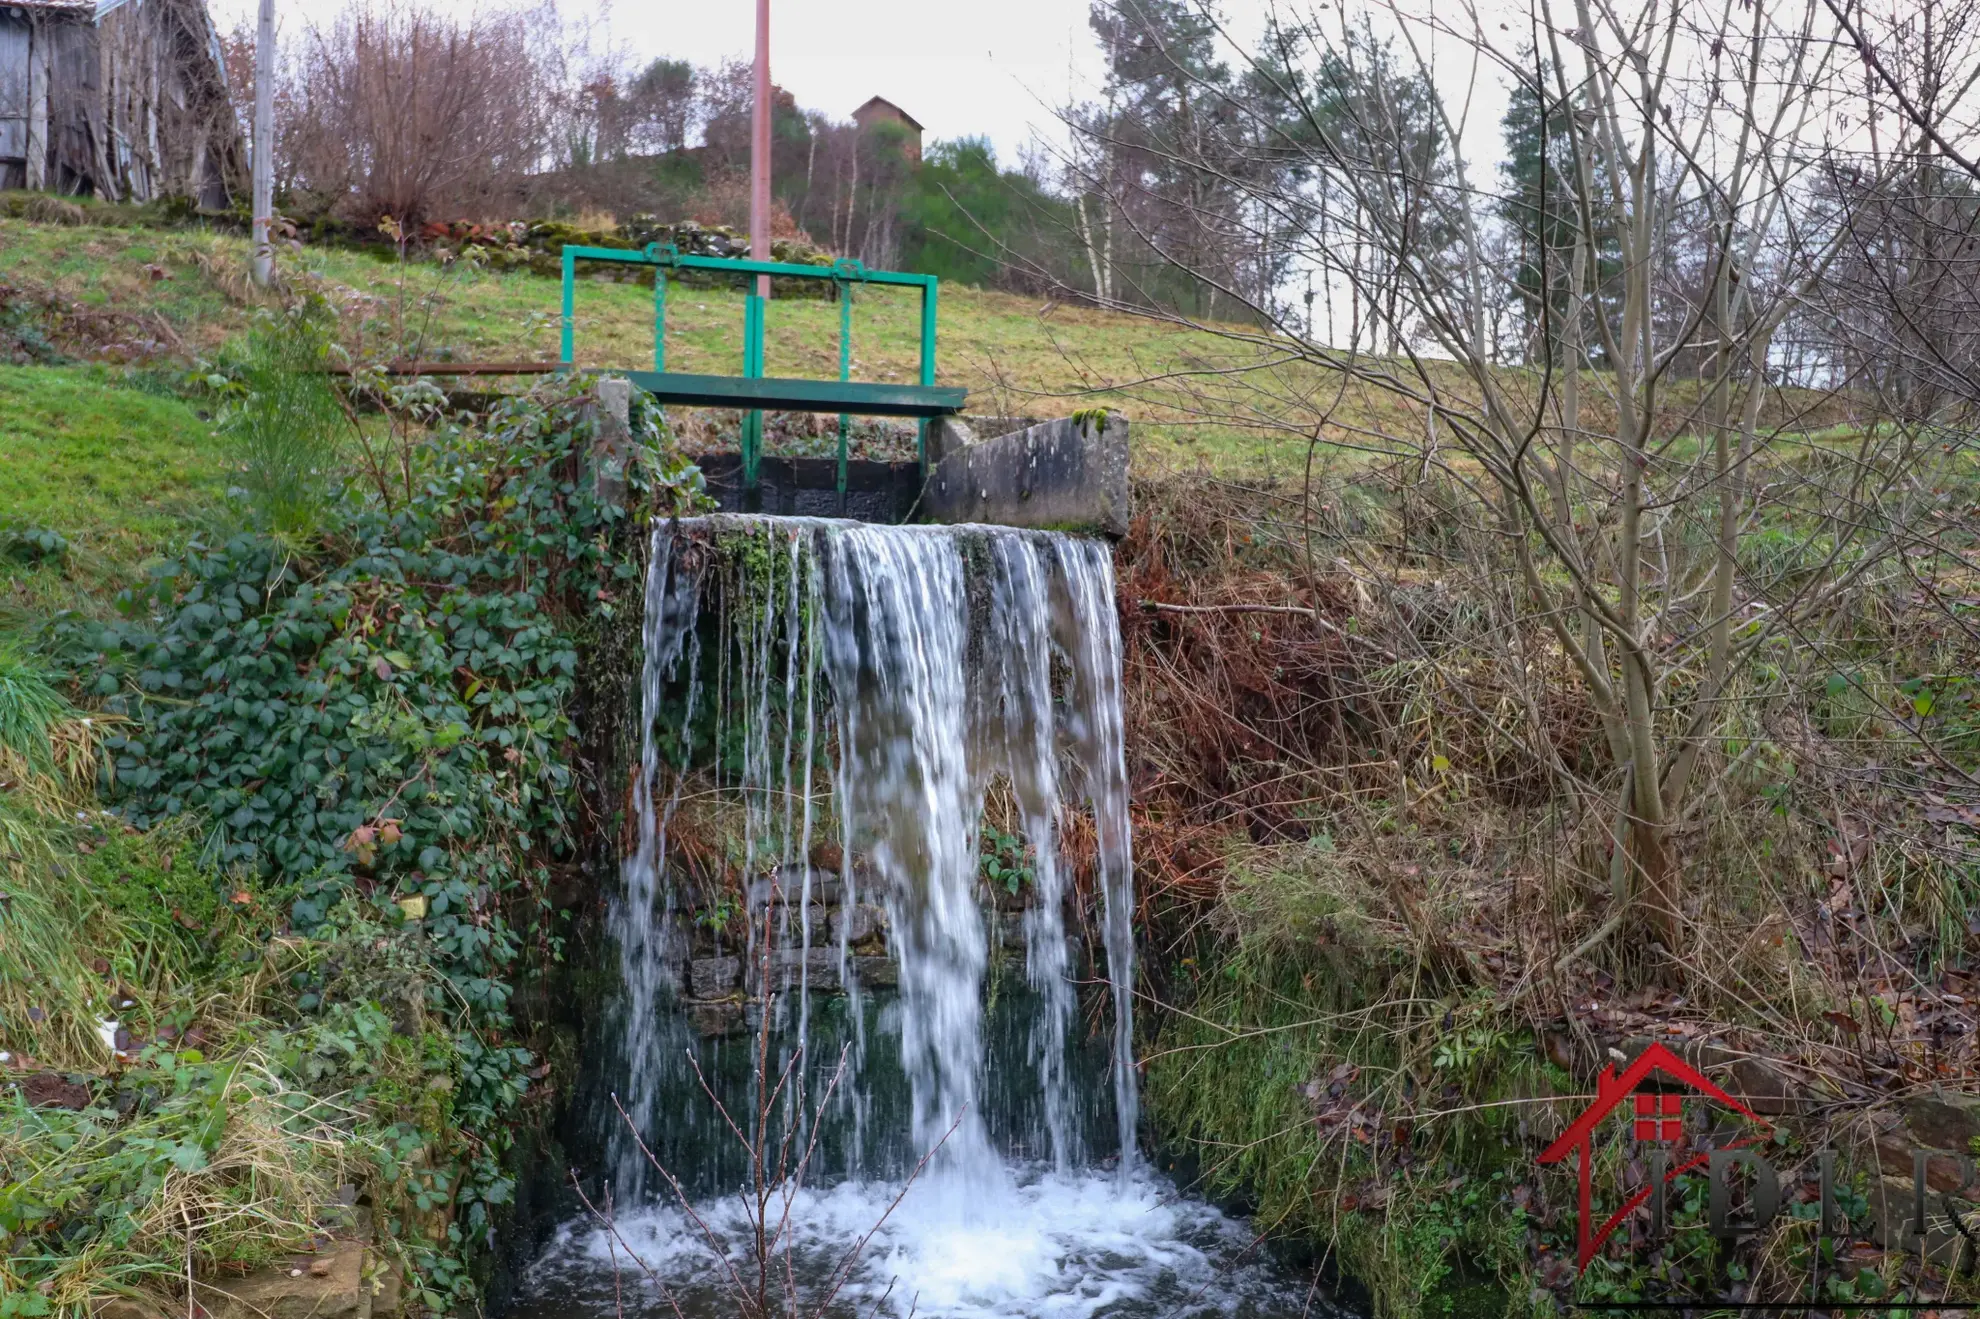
(794, 395)
(14, 80)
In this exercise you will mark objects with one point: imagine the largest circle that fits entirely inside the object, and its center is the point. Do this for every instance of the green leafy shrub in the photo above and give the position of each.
(25, 542)
(381, 709)
(1005, 859)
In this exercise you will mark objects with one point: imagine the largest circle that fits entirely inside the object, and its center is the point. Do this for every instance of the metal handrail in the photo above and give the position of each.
(843, 272)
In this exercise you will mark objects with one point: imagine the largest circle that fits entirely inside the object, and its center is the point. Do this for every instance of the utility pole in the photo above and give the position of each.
(759, 154)
(759, 250)
(264, 144)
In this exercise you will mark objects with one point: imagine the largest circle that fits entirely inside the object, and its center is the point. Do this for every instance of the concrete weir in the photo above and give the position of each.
(1060, 474)
(1067, 474)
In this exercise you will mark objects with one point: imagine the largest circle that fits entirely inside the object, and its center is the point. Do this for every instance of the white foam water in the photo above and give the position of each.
(1052, 1246)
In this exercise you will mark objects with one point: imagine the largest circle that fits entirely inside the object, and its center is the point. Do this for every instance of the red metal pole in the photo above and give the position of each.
(759, 156)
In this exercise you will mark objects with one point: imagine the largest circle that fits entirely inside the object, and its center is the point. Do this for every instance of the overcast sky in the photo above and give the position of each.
(988, 68)
(991, 68)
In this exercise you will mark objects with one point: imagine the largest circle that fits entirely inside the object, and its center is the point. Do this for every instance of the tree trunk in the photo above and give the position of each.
(1658, 882)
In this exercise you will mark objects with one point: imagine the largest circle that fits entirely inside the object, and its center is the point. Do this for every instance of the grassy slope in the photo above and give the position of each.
(1017, 355)
(1194, 396)
(106, 461)
(120, 472)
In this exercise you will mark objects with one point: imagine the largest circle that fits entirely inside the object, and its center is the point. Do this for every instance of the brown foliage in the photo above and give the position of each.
(1408, 781)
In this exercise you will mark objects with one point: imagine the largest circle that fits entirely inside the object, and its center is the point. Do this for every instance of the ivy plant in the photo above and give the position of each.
(383, 710)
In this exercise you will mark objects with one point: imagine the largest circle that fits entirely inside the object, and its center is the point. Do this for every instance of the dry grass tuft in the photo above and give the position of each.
(42, 208)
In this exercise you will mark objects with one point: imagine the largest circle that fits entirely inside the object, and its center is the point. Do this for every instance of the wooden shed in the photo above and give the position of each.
(120, 99)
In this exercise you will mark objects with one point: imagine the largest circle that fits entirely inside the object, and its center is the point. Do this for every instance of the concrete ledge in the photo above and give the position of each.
(1069, 474)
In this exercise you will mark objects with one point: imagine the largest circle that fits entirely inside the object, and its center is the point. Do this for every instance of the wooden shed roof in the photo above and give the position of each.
(882, 103)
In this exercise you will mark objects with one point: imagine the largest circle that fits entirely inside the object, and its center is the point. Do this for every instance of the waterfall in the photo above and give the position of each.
(651, 950)
(829, 714)
(932, 652)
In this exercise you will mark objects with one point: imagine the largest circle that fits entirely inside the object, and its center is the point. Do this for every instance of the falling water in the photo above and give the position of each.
(866, 686)
(651, 951)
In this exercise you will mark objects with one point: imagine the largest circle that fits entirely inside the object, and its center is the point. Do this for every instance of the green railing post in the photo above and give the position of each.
(927, 361)
(752, 427)
(845, 373)
(663, 257)
(568, 345)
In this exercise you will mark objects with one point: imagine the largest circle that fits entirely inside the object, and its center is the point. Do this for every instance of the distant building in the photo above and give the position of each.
(121, 99)
(880, 110)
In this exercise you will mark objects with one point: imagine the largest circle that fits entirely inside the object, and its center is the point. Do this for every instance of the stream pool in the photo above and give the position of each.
(1040, 1246)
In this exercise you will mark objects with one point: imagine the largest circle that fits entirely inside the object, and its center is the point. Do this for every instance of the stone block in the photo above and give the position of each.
(1763, 1089)
(1892, 1210)
(1945, 1122)
(712, 977)
(1945, 1170)
(876, 972)
(789, 885)
(857, 924)
(387, 1291)
(820, 968)
(1754, 1081)
(715, 1019)
(327, 1285)
(1069, 474)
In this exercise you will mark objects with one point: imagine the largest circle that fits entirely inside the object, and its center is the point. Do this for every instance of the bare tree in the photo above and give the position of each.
(397, 110)
(1694, 168)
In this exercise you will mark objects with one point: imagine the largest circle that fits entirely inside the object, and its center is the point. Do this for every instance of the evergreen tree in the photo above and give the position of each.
(1540, 208)
(966, 220)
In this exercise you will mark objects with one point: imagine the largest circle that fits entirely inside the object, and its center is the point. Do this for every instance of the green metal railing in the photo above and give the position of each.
(921, 401)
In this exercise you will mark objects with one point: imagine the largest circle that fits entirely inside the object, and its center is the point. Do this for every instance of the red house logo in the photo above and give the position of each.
(1659, 1119)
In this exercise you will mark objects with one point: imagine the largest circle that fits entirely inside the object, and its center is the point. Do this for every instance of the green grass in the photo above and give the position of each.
(1016, 355)
(119, 471)
(1194, 397)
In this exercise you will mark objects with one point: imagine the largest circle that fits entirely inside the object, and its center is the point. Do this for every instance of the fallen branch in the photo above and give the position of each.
(1156, 607)
(1298, 611)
